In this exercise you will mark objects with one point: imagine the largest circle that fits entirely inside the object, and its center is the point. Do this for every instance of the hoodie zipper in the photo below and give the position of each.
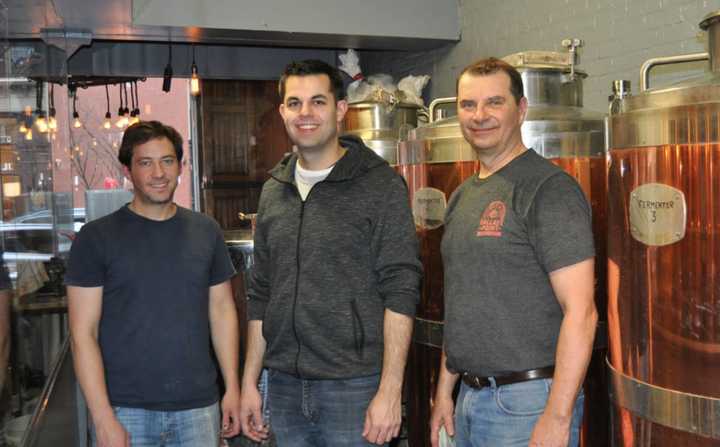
(297, 282)
(297, 273)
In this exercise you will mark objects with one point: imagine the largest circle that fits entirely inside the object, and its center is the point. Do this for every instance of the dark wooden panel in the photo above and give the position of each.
(225, 204)
(242, 136)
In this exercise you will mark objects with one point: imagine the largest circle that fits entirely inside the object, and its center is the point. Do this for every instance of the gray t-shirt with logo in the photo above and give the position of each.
(503, 235)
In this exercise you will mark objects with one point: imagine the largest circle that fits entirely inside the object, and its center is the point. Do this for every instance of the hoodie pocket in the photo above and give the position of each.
(358, 329)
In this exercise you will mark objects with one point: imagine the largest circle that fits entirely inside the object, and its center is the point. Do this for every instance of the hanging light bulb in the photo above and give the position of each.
(123, 110)
(136, 102)
(52, 122)
(194, 78)
(119, 122)
(194, 81)
(76, 120)
(22, 128)
(135, 112)
(28, 134)
(76, 116)
(126, 110)
(107, 124)
(41, 123)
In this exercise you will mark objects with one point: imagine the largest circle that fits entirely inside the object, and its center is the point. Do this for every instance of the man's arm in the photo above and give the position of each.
(251, 418)
(224, 332)
(5, 302)
(573, 286)
(443, 408)
(384, 415)
(85, 309)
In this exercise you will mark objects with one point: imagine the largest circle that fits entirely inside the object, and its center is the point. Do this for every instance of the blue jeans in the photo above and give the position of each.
(199, 427)
(319, 413)
(504, 416)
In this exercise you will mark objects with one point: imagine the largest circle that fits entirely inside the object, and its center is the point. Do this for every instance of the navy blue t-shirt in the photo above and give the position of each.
(154, 329)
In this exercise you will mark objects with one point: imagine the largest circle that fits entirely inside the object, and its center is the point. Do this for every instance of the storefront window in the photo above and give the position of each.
(58, 169)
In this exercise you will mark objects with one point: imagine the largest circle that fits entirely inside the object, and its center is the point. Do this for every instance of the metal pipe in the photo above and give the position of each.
(439, 101)
(667, 60)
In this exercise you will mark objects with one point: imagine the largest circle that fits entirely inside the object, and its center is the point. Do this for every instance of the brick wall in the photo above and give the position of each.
(619, 36)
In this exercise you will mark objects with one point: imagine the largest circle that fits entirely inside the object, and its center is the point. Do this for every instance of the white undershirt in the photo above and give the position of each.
(305, 179)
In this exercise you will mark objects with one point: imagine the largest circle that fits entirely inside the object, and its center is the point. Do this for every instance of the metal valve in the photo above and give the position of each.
(572, 44)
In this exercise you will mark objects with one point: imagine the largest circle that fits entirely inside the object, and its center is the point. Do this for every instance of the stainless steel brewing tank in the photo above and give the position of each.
(556, 124)
(436, 159)
(664, 257)
(383, 122)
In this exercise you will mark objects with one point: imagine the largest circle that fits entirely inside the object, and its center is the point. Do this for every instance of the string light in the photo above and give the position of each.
(133, 119)
(52, 122)
(108, 117)
(40, 122)
(76, 116)
(194, 78)
(122, 121)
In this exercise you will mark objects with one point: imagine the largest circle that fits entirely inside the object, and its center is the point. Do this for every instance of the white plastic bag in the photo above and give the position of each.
(412, 87)
(350, 64)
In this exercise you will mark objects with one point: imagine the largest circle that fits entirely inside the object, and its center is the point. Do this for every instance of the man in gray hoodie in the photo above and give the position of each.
(335, 283)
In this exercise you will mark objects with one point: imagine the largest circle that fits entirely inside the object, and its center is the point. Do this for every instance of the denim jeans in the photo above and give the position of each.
(319, 413)
(504, 416)
(198, 427)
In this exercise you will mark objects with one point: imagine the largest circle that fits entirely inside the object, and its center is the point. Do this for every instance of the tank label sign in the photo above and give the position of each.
(428, 207)
(658, 214)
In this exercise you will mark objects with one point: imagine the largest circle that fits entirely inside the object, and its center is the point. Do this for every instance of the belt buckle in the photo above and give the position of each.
(474, 381)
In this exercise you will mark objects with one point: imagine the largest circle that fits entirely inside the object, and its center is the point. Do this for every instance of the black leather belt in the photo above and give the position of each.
(515, 377)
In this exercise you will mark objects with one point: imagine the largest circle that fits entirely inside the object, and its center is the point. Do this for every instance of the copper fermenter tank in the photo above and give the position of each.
(436, 159)
(664, 257)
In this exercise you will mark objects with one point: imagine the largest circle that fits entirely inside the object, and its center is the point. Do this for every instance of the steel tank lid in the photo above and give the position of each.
(552, 116)
(704, 89)
(369, 104)
(709, 19)
(536, 60)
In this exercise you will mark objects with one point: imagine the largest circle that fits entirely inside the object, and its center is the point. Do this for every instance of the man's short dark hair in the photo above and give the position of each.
(492, 65)
(313, 67)
(144, 131)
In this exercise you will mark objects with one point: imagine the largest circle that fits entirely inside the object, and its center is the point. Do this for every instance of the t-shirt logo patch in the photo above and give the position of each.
(492, 220)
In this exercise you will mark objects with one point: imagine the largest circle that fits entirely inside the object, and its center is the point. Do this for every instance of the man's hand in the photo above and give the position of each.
(111, 433)
(230, 407)
(550, 431)
(383, 418)
(251, 418)
(442, 416)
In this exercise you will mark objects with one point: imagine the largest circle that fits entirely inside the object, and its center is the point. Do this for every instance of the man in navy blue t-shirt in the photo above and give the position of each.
(149, 294)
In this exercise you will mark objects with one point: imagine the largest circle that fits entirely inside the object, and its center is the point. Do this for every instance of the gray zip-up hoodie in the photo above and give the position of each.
(326, 269)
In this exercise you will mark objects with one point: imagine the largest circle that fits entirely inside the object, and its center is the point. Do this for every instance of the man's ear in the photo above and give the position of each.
(342, 107)
(523, 108)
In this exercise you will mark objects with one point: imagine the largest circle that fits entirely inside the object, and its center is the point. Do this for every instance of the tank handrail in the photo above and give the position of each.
(439, 101)
(666, 60)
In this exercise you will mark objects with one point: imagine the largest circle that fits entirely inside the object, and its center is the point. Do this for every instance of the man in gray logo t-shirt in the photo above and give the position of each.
(518, 257)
